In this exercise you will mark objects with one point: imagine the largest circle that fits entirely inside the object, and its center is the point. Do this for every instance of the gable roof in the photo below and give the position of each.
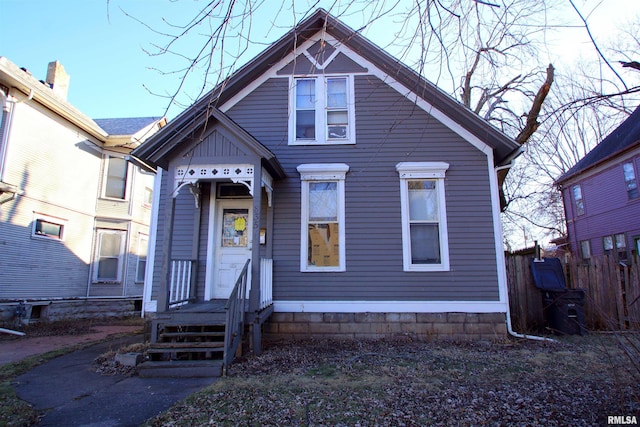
(504, 147)
(625, 136)
(109, 132)
(130, 132)
(125, 126)
(158, 153)
(22, 80)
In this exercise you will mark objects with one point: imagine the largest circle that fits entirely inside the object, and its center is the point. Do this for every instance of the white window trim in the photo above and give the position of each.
(321, 116)
(423, 170)
(96, 257)
(141, 237)
(582, 252)
(634, 180)
(58, 221)
(578, 210)
(145, 203)
(322, 172)
(105, 176)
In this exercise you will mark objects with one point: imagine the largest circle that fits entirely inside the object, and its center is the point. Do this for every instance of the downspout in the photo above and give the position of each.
(151, 250)
(504, 272)
(8, 105)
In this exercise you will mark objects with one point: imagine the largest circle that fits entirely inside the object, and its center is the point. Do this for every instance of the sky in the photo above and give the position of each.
(112, 75)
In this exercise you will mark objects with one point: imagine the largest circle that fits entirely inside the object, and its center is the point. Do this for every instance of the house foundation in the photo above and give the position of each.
(13, 313)
(419, 326)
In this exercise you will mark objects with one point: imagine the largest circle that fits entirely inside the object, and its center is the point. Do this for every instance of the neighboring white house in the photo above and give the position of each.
(74, 209)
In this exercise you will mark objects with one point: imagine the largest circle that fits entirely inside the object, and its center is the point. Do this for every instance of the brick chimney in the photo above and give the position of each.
(58, 79)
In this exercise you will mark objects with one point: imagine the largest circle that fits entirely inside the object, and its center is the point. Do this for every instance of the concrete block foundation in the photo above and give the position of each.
(30, 311)
(418, 326)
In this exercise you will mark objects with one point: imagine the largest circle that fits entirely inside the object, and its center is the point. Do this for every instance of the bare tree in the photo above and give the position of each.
(484, 52)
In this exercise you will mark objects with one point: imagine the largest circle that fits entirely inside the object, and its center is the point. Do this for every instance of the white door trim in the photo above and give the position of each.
(208, 280)
(213, 234)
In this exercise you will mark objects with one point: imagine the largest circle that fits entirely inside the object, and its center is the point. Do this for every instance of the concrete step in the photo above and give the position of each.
(181, 369)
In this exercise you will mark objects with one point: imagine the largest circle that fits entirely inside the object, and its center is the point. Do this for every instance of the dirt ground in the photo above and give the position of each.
(578, 381)
(41, 339)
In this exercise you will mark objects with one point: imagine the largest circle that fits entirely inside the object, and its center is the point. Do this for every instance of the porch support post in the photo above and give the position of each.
(254, 294)
(163, 291)
(195, 248)
(269, 227)
(256, 330)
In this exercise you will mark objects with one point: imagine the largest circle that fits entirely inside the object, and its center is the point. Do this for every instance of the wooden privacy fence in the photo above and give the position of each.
(612, 292)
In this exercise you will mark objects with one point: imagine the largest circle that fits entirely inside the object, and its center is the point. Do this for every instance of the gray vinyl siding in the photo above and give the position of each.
(160, 234)
(34, 267)
(206, 189)
(389, 129)
(50, 162)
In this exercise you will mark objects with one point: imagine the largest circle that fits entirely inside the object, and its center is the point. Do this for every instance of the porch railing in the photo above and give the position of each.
(181, 283)
(266, 282)
(236, 306)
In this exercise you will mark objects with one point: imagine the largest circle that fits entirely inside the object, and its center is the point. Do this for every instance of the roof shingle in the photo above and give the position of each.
(125, 126)
(625, 136)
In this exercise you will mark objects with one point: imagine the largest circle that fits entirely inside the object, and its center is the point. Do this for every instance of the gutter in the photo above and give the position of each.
(142, 165)
(25, 83)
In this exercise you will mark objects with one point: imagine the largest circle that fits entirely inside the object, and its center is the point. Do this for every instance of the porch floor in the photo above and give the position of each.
(213, 306)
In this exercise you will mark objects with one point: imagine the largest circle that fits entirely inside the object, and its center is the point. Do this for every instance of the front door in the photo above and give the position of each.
(232, 244)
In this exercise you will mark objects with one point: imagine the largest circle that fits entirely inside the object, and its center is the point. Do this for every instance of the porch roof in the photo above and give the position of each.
(161, 147)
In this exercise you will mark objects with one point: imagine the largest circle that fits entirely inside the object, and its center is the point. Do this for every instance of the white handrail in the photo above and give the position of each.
(180, 286)
(266, 282)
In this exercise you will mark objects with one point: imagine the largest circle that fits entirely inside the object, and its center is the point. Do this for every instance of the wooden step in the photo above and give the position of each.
(186, 324)
(192, 318)
(185, 350)
(188, 345)
(191, 334)
(180, 369)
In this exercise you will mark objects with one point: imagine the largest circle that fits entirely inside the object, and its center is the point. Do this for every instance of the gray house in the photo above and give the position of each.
(363, 198)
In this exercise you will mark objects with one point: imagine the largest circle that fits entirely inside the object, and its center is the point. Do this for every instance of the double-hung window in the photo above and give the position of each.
(621, 246)
(143, 243)
(424, 217)
(585, 249)
(578, 202)
(630, 180)
(115, 180)
(323, 111)
(4, 122)
(322, 225)
(109, 257)
(620, 242)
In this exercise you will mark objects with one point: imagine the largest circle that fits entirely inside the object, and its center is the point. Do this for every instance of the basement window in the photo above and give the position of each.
(46, 227)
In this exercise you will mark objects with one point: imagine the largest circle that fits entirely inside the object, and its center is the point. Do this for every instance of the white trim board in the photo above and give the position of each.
(389, 307)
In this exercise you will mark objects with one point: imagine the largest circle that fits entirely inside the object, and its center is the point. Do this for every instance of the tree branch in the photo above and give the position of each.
(532, 123)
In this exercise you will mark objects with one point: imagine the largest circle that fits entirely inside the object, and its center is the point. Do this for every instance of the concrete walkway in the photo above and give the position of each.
(69, 393)
(18, 348)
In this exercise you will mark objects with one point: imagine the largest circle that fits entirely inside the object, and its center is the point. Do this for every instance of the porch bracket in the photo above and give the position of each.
(267, 183)
(246, 182)
(194, 189)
